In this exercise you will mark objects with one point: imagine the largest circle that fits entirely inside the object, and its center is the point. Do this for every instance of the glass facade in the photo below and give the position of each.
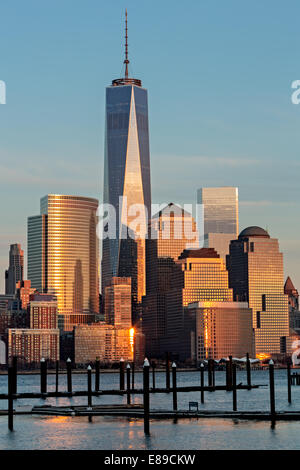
(220, 329)
(14, 273)
(63, 256)
(221, 211)
(171, 231)
(118, 302)
(256, 275)
(127, 176)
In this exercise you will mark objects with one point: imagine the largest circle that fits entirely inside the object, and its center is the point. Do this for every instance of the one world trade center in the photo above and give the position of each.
(126, 183)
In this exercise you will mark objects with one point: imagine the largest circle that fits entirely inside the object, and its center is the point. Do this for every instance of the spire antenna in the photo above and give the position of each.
(126, 61)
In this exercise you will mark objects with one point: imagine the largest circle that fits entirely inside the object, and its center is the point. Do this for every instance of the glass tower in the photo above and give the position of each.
(126, 181)
(221, 211)
(255, 267)
(63, 256)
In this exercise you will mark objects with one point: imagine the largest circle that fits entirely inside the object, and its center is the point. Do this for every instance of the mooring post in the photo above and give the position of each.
(122, 374)
(272, 389)
(213, 373)
(230, 373)
(56, 376)
(227, 375)
(167, 372)
(146, 394)
(128, 383)
(153, 375)
(202, 381)
(43, 372)
(15, 371)
(10, 378)
(234, 400)
(209, 373)
(174, 386)
(69, 375)
(97, 375)
(89, 377)
(248, 366)
(132, 375)
(289, 383)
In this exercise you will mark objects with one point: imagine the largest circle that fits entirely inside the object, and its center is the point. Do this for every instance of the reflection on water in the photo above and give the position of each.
(42, 432)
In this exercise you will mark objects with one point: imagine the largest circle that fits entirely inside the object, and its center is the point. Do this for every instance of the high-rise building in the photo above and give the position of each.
(171, 231)
(63, 256)
(31, 345)
(14, 273)
(255, 267)
(43, 311)
(218, 329)
(293, 299)
(221, 217)
(24, 291)
(118, 302)
(198, 275)
(126, 182)
(106, 342)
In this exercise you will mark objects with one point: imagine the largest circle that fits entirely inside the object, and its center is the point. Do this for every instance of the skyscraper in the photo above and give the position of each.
(293, 296)
(255, 267)
(170, 231)
(118, 302)
(221, 217)
(15, 270)
(199, 275)
(63, 256)
(126, 180)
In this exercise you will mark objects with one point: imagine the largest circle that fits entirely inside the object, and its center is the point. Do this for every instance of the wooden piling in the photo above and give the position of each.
(230, 373)
(248, 366)
(289, 383)
(234, 397)
(128, 383)
(89, 377)
(15, 372)
(10, 378)
(153, 375)
(209, 373)
(122, 374)
(146, 396)
(272, 389)
(56, 376)
(97, 375)
(69, 375)
(174, 386)
(167, 371)
(43, 373)
(132, 376)
(202, 382)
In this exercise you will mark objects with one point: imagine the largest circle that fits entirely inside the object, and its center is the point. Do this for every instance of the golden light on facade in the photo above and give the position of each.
(263, 356)
(131, 339)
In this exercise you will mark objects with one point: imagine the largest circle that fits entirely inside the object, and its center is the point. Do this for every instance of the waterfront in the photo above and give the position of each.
(41, 432)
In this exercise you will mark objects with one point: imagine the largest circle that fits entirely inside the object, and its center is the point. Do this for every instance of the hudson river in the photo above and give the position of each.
(42, 432)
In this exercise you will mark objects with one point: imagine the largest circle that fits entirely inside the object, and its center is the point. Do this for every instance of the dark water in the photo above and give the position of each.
(41, 432)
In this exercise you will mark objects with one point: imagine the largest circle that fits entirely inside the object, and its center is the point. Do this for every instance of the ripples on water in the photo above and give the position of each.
(41, 432)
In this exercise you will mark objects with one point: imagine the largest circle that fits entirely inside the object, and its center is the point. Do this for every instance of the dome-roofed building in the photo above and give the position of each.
(255, 266)
(253, 231)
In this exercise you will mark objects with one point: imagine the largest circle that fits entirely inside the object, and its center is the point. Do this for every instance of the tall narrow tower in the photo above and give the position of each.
(126, 181)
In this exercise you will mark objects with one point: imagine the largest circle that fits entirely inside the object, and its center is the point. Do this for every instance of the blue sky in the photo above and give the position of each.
(219, 77)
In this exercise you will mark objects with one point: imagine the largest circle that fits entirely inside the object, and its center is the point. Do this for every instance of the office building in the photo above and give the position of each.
(293, 300)
(118, 302)
(255, 267)
(171, 231)
(215, 330)
(15, 270)
(63, 256)
(24, 291)
(221, 217)
(126, 183)
(106, 342)
(31, 345)
(43, 312)
(198, 275)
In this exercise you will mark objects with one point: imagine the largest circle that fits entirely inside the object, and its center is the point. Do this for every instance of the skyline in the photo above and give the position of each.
(66, 128)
